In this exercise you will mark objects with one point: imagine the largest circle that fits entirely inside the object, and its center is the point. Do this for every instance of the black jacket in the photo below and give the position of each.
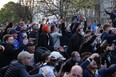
(86, 46)
(108, 37)
(69, 63)
(66, 35)
(45, 40)
(9, 54)
(19, 70)
(112, 16)
(73, 27)
(75, 43)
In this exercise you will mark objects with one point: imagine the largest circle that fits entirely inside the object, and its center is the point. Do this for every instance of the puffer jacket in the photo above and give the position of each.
(19, 70)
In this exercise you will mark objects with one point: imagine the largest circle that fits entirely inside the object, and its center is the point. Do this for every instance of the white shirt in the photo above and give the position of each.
(48, 68)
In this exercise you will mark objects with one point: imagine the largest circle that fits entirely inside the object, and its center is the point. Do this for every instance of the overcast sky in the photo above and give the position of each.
(2, 2)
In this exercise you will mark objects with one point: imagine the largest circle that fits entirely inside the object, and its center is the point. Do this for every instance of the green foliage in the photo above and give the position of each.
(69, 6)
(14, 12)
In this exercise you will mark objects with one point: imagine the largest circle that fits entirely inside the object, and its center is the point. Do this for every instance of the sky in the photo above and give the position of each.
(2, 2)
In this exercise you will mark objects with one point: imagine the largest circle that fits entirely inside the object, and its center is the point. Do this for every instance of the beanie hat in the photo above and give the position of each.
(45, 28)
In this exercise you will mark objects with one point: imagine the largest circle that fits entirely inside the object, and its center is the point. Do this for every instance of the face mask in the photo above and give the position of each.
(56, 64)
(82, 33)
(78, 59)
(24, 34)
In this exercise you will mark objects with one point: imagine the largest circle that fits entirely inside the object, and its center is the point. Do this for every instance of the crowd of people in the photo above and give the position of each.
(80, 49)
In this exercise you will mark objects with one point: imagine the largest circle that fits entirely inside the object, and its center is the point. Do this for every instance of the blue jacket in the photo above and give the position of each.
(16, 44)
(100, 72)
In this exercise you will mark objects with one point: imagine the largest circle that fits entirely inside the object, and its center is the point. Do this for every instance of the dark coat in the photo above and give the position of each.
(101, 72)
(75, 43)
(73, 27)
(108, 37)
(109, 57)
(9, 54)
(19, 70)
(45, 40)
(112, 17)
(69, 63)
(66, 35)
(86, 46)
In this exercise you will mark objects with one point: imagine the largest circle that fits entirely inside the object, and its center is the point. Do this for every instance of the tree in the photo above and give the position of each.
(23, 12)
(64, 7)
(57, 7)
(14, 12)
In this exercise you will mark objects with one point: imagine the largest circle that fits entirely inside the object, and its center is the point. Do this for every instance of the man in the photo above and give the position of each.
(13, 32)
(10, 53)
(106, 36)
(74, 26)
(112, 16)
(90, 68)
(33, 36)
(76, 41)
(76, 71)
(31, 47)
(45, 40)
(75, 59)
(50, 65)
(18, 69)
(31, 50)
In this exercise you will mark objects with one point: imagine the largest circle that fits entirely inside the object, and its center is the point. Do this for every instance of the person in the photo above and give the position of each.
(22, 35)
(45, 39)
(55, 36)
(18, 69)
(108, 56)
(75, 59)
(74, 26)
(31, 50)
(114, 73)
(112, 16)
(106, 36)
(33, 35)
(90, 68)
(75, 41)
(31, 47)
(54, 57)
(88, 41)
(14, 33)
(10, 53)
(76, 71)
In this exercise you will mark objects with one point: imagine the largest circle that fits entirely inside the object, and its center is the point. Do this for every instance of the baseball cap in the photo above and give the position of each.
(57, 55)
(24, 54)
(13, 31)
